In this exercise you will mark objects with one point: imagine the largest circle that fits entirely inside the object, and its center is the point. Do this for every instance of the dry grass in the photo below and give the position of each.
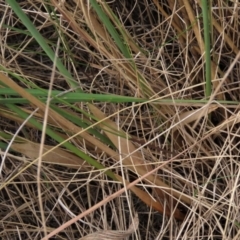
(195, 148)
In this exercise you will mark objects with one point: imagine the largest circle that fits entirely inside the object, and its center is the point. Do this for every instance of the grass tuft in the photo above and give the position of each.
(104, 119)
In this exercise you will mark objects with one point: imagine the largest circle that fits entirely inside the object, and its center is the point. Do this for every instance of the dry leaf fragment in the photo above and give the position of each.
(113, 234)
(56, 156)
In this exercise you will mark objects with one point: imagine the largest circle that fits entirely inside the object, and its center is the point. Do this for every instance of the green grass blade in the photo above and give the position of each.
(41, 41)
(111, 29)
(207, 34)
(59, 139)
(70, 97)
(79, 122)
